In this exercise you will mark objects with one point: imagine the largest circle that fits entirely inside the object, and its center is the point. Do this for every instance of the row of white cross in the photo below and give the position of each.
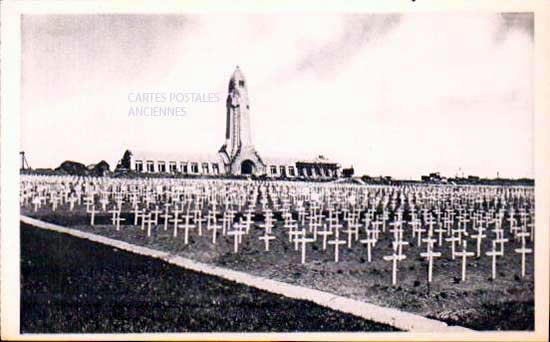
(434, 216)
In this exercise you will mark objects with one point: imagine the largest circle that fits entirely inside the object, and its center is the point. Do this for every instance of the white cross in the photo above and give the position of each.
(241, 226)
(463, 220)
(114, 212)
(478, 238)
(353, 230)
(531, 225)
(236, 237)
(394, 258)
(214, 227)
(248, 219)
(512, 221)
(420, 230)
(291, 226)
(464, 254)
(370, 241)
(72, 200)
(501, 240)
(295, 234)
(266, 239)
(523, 251)
(267, 225)
(398, 244)
(336, 242)
(156, 213)
(440, 230)
(447, 224)
(453, 239)
(396, 225)
(522, 236)
(89, 201)
(166, 216)
(92, 212)
(186, 226)
(303, 240)
(324, 233)
(199, 221)
(316, 225)
(104, 201)
(430, 255)
(136, 215)
(186, 218)
(430, 241)
(54, 200)
(430, 223)
(175, 220)
(376, 228)
(494, 253)
(116, 218)
(146, 218)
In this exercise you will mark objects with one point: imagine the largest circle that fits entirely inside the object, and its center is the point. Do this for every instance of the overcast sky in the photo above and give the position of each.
(398, 95)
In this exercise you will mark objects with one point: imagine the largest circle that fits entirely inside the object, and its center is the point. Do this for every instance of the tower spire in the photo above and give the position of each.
(238, 138)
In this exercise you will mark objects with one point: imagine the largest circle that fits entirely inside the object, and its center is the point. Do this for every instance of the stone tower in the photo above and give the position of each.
(238, 153)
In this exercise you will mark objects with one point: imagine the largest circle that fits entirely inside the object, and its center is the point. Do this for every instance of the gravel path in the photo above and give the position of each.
(70, 285)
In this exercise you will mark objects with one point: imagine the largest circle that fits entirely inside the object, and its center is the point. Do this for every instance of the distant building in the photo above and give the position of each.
(348, 172)
(434, 177)
(237, 156)
(213, 165)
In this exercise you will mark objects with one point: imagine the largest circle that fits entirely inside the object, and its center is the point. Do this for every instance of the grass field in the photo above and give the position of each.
(480, 303)
(70, 285)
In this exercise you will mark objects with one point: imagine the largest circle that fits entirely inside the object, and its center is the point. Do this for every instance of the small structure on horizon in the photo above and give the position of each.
(24, 163)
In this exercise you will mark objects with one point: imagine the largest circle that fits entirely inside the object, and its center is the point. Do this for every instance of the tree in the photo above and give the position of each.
(126, 160)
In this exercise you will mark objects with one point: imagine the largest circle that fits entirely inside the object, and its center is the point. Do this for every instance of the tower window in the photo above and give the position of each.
(241, 83)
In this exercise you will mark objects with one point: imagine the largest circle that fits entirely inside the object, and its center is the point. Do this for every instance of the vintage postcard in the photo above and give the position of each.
(274, 171)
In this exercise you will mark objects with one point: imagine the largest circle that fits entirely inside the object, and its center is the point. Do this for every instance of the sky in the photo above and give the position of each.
(400, 95)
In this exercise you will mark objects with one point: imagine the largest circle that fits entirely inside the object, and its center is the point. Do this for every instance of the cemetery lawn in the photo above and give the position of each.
(72, 285)
(506, 303)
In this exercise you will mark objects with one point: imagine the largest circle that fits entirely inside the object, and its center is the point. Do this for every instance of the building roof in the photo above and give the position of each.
(215, 158)
(292, 161)
(177, 156)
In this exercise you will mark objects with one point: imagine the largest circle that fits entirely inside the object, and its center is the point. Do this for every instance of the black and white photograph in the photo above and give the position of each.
(279, 172)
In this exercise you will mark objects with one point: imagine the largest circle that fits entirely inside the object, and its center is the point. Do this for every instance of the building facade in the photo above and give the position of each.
(237, 156)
